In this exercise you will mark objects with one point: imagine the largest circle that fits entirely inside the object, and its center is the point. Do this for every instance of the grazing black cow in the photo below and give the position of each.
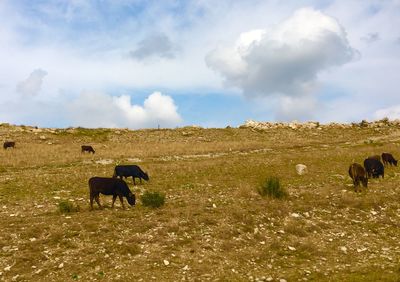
(86, 148)
(9, 144)
(388, 159)
(357, 173)
(130, 170)
(110, 186)
(374, 168)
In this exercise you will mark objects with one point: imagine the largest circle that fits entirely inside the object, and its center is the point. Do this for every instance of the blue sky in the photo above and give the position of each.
(137, 64)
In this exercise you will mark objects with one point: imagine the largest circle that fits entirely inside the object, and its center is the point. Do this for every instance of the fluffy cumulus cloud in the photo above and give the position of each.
(32, 85)
(155, 45)
(94, 109)
(284, 59)
(390, 112)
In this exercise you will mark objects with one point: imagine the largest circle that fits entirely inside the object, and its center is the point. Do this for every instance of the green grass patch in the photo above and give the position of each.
(67, 207)
(272, 188)
(153, 199)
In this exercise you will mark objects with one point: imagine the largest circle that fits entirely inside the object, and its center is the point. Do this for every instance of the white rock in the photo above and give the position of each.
(269, 279)
(32, 239)
(186, 267)
(7, 268)
(362, 249)
(295, 215)
(292, 248)
(61, 265)
(282, 280)
(301, 169)
(343, 249)
(42, 137)
(214, 206)
(166, 262)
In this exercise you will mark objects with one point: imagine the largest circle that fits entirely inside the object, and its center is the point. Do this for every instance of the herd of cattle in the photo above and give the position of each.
(114, 186)
(373, 167)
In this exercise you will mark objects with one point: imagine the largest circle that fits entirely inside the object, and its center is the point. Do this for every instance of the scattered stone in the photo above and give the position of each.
(61, 265)
(295, 215)
(42, 137)
(186, 268)
(166, 263)
(105, 162)
(343, 249)
(301, 169)
(291, 248)
(362, 249)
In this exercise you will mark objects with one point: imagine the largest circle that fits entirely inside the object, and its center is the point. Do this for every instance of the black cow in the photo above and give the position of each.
(374, 168)
(130, 170)
(388, 159)
(86, 148)
(9, 144)
(110, 186)
(357, 173)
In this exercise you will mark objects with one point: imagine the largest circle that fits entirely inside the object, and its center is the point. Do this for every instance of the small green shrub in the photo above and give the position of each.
(67, 207)
(153, 199)
(272, 188)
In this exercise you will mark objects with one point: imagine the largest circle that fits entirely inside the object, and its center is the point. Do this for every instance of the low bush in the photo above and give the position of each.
(272, 188)
(153, 199)
(67, 207)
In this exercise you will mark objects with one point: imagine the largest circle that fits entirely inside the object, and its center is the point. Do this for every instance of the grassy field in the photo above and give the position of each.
(214, 225)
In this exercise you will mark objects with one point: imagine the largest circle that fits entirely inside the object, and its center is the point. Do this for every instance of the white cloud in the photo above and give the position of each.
(301, 108)
(32, 85)
(390, 112)
(285, 59)
(94, 109)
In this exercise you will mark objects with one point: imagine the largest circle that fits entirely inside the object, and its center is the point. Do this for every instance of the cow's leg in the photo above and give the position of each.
(356, 183)
(140, 180)
(122, 201)
(97, 198)
(91, 201)
(113, 200)
(134, 183)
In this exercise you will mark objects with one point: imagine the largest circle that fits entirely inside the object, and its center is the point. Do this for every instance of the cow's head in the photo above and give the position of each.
(131, 199)
(364, 181)
(395, 162)
(145, 176)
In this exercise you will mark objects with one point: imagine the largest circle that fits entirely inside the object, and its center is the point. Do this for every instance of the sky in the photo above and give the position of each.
(143, 64)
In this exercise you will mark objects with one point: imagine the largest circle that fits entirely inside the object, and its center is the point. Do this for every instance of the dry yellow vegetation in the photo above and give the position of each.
(214, 225)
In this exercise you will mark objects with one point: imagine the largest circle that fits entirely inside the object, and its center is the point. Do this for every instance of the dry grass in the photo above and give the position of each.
(214, 225)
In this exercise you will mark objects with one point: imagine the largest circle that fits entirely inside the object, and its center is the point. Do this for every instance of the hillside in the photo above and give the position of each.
(214, 225)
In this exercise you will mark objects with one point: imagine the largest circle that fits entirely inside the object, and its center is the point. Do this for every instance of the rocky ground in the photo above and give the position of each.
(214, 225)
